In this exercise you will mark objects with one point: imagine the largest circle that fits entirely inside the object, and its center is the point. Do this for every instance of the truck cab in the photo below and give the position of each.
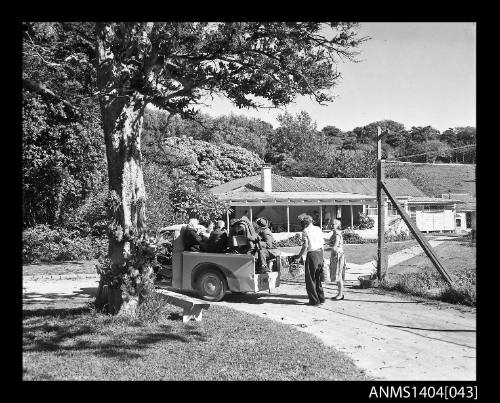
(212, 275)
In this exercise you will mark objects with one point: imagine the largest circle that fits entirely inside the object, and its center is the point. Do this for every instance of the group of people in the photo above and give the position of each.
(312, 255)
(257, 239)
(212, 239)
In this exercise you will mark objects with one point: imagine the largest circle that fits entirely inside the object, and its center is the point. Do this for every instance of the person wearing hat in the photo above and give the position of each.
(266, 243)
(312, 248)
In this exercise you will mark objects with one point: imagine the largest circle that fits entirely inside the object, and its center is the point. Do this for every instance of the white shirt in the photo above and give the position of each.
(314, 237)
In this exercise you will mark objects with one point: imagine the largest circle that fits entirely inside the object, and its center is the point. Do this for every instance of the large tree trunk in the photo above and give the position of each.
(122, 117)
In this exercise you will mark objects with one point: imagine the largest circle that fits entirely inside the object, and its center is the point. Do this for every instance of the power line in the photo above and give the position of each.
(430, 152)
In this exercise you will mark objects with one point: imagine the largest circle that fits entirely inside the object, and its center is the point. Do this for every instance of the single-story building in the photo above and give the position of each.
(281, 199)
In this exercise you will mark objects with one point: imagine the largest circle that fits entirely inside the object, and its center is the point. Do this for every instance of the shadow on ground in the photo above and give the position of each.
(77, 329)
(85, 292)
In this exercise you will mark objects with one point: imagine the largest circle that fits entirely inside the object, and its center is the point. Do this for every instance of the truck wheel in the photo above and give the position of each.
(211, 285)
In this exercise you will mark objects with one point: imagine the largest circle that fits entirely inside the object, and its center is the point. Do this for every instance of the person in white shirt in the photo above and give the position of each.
(312, 249)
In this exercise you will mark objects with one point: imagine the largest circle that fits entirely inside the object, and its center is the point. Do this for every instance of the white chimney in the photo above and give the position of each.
(265, 179)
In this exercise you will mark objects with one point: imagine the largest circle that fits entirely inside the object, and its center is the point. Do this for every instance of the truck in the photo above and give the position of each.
(212, 275)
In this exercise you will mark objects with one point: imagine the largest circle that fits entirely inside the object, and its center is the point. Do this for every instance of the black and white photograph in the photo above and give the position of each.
(250, 201)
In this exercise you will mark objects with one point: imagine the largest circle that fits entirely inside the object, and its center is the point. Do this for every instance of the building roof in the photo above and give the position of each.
(319, 190)
(294, 196)
(399, 187)
(468, 201)
(432, 200)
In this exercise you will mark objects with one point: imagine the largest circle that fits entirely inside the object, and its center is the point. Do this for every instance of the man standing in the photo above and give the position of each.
(312, 248)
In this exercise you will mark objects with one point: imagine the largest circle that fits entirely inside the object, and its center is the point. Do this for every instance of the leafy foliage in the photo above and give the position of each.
(63, 148)
(351, 237)
(44, 244)
(171, 64)
(63, 161)
(189, 200)
(295, 240)
(365, 221)
(209, 164)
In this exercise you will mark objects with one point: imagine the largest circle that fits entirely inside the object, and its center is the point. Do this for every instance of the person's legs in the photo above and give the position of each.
(340, 277)
(319, 286)
(262, 261)
(310, 275)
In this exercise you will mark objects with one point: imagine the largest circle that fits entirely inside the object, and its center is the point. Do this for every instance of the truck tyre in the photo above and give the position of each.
(211, 285)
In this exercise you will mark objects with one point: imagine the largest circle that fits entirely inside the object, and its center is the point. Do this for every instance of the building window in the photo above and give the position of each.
(458, 222)
(371, 210)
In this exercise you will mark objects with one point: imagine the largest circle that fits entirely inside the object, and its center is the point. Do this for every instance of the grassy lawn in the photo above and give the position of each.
(76, 343)
(418, 276)
(454, 256)
(361, 253)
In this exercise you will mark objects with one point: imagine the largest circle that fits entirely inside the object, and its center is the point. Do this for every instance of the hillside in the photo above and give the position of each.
(436, 179)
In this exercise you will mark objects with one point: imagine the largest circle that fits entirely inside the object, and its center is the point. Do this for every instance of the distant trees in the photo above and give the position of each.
(238, 130)
(293, 139)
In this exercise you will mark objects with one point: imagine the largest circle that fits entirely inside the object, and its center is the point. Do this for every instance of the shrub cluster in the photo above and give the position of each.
(351, 237)
(44, 244)
(421, 283)
(397, 237)
(295, 240)
(365, 222)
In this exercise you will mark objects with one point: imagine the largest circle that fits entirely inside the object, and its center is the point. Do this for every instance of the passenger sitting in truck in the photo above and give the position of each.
(206, 231)
(267, 246)
(193, 241)
(244, 228)
(217, 242)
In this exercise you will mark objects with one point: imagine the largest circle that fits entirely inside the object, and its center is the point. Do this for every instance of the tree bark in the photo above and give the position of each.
(122, 113)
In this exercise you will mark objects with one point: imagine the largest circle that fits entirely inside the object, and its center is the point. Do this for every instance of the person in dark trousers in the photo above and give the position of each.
(217, 242)
(312, 248)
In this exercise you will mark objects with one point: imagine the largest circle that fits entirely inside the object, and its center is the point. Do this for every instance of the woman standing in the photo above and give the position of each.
(337, 259)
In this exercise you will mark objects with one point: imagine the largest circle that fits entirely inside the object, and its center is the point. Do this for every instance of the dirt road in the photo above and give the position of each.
(391, 336)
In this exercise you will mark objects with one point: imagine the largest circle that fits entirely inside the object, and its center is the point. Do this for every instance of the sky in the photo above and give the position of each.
(417, 74)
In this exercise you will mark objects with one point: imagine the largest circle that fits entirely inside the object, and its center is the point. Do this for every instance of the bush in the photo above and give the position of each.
(397, 237)
(91, 217)
(44, 244)
(295, 240)
(351, 237)
(365, 222)
(422, 283)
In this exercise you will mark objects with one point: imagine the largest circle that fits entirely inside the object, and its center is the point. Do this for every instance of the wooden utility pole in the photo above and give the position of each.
(420, 238)
(381, 252)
